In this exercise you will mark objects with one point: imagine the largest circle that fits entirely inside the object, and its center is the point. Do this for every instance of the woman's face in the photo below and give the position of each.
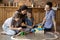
(47, 8)
(24, 12)
(16, 19)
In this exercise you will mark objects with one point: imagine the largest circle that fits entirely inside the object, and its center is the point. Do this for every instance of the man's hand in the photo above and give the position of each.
(56, 32)
(44, 19)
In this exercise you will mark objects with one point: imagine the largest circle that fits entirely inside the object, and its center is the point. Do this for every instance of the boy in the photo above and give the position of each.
(12, 25)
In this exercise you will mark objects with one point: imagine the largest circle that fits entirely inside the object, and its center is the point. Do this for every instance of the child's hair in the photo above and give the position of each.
(13, 20)
(17, 16)
(30, 13)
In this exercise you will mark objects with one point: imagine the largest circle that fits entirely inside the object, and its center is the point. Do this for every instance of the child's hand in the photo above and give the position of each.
(18, 34)
(29, 26)
(33, 26)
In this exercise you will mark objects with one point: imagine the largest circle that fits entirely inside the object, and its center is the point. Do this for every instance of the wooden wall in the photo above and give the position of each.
(38, 14)
(58, 17)
(6, 12)
(40, 3)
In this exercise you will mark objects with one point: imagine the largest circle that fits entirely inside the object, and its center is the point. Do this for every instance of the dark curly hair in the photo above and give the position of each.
(23, 7)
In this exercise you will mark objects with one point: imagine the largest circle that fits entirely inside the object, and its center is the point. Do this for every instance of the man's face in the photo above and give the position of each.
(47, 8)
(24, 12)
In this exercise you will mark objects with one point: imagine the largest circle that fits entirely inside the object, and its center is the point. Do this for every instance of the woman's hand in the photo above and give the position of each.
(22, 24)
(19, 28)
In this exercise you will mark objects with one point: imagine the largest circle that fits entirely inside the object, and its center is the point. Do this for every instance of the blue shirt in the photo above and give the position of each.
(49, 16)
(29, 21)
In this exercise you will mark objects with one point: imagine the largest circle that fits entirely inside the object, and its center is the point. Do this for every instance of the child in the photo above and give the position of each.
(29, 20)
(12, 25)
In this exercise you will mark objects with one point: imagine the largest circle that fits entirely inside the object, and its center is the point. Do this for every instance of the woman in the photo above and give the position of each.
(22, 11)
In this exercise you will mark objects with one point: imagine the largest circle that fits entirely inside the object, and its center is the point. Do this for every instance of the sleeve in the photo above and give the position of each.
(12, 22)
(7, 22)
(32, 19)
(26, 20)
(53, 14)
(4, 26)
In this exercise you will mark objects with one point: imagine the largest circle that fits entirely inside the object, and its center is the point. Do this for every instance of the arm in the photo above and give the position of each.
(53, 19)
(54, 22)
(33, 23)
(14, 28)
(28, 25)
(44, 19)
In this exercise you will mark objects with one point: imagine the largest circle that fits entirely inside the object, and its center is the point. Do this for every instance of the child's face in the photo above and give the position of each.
(16, 19)
(29, 15)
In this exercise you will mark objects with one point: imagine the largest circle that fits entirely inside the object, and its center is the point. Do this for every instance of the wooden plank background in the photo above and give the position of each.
(38, 14)
(6, 12)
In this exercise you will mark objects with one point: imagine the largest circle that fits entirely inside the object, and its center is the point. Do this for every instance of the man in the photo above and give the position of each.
(49, 19)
